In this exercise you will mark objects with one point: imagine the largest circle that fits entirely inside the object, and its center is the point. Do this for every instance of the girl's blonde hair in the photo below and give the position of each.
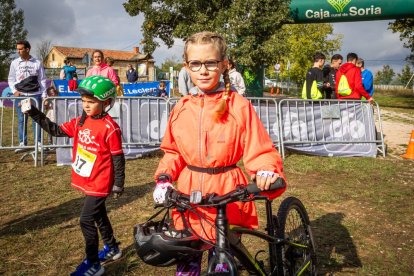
(218, 42)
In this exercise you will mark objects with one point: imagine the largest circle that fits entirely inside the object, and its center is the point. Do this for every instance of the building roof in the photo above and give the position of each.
(72, 52)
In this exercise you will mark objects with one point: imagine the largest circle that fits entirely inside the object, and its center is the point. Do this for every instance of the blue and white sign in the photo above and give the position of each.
(63, 88)
(144, 89)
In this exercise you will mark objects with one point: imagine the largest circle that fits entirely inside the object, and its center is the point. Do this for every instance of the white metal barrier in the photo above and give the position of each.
(9, 129)
(291, 123)
(331, 127)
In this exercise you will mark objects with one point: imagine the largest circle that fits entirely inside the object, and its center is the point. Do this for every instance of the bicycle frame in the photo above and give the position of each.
(227, 237)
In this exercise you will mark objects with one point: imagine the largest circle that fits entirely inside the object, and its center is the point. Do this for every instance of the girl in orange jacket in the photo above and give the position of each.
(208, 132)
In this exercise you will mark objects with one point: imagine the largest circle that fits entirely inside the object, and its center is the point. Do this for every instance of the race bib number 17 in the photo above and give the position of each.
(84, 162)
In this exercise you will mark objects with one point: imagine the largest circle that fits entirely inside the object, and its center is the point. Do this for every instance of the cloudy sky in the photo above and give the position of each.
(104, 24)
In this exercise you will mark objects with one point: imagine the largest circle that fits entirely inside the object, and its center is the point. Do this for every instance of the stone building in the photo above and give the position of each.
(81, 58)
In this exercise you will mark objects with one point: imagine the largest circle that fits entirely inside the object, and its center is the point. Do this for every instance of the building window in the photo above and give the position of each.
(53, 57)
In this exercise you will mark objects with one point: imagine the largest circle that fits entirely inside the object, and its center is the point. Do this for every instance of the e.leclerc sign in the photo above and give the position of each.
(318, 11)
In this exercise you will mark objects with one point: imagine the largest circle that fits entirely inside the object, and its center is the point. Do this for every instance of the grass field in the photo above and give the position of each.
(361, 210)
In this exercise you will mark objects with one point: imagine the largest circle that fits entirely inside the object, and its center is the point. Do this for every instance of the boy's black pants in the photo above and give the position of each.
(94, 217)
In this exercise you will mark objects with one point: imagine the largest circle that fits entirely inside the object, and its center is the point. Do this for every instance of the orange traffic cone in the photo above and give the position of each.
(410, 149)
(271, 91)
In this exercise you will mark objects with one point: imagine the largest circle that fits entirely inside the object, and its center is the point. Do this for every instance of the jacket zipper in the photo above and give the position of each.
(200, 135)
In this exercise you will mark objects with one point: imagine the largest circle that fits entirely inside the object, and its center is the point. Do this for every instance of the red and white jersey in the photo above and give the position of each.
(94, 144)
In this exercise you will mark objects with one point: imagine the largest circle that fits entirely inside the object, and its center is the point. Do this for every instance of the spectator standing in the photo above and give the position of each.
(119, 89)
(98, 167)
(236, 78)
(349, 81)
(314, 84)
(49, 107)
(161, 90)
(69, 70)
(100, 68)
(131, 74)
(184, 82)
(329, 75)
(48, 104)
(26, 79)
(110, 61)
(367, 77)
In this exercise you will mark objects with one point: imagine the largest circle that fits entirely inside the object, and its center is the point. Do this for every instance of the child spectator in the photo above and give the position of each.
(98, 167)
(161, 92)
(236, 78)
(208, 132)
(49, 107)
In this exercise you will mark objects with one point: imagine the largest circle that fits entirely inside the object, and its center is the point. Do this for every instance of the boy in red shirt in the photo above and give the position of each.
(98, 167)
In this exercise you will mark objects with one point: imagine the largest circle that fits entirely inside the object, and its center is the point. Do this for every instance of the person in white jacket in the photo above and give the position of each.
(26, 79)
(236, 78)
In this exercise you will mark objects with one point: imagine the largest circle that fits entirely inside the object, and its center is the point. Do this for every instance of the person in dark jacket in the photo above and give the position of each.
(131, 74)
(329, 75)
(314, 79)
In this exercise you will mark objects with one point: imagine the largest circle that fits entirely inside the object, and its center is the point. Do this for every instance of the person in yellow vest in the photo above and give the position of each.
(314, 84)
(349, 81)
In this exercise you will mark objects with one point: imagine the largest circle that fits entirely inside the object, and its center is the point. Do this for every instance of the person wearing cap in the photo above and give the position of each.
(98, 167)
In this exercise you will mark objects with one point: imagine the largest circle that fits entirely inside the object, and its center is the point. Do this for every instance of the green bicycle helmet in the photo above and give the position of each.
(99, 87)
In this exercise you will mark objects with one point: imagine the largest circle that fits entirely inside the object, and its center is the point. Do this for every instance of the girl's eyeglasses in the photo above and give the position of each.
(195, 65)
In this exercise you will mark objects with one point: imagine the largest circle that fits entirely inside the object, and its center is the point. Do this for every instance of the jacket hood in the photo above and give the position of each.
(346, 67)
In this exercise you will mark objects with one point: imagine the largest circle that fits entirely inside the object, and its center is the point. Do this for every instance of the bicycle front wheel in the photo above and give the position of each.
(295, 256)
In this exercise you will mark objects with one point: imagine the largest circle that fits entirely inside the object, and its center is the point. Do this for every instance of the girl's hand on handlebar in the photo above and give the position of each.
(264, 179)
(160, 191)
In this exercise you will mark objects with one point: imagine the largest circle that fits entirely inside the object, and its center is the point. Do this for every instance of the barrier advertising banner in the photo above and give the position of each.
(324, 128)
(138, 89)
(142, 122)
(63, 89)
(345, 129)
(144, 89)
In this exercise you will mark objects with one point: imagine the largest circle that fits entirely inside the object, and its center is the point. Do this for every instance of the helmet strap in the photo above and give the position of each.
(83, 118)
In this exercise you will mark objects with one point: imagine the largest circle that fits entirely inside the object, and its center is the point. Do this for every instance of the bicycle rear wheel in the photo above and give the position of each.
(298, 258)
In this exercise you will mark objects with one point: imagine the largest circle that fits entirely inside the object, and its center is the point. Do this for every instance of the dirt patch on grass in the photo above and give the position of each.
(397, 129)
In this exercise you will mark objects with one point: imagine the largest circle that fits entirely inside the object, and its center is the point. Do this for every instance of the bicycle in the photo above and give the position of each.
(288, 235)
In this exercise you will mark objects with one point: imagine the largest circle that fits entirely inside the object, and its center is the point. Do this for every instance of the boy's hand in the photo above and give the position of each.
(26, 105)
(117, 191)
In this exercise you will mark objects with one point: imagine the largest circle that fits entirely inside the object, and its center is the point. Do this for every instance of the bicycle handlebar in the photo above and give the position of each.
(174, 197)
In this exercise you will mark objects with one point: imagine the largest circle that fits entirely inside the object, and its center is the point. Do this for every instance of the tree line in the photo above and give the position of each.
(387, 75)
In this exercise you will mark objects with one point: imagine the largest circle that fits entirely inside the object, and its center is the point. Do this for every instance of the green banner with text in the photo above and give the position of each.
(321, 11)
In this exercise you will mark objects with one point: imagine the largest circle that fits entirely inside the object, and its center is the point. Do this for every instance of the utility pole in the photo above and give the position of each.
(409, 83)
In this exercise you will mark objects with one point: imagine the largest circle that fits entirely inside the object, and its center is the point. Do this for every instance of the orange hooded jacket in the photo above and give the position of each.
(193, 137)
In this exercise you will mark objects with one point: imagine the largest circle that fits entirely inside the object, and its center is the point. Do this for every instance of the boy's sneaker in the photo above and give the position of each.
(109, 253)
(88, 269)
